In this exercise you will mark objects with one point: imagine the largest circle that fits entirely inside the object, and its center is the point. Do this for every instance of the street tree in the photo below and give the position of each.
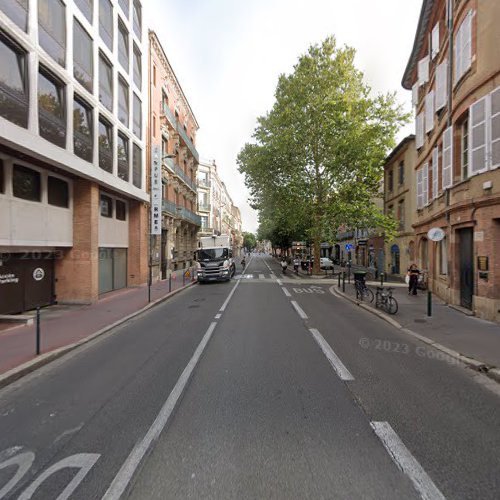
(249, 241)
(315, 163)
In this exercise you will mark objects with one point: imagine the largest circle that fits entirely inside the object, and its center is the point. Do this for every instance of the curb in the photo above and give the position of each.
(30, 366)
(479, 366)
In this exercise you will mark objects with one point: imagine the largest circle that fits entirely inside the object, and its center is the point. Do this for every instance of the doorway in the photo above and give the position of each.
(466, 263)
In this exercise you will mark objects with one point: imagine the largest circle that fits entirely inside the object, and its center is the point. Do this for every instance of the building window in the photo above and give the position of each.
(87, 8)
(124, 4)
(204, 222)
(154, 125)
(106, 22)
(164, 147)
(123, 157)
(443, 257)
(58, 192)
(401, 214)
(401, 173)
(137, 116)
(137, 13)
(137, 166)
(465, 149)
(123, 101)
(26, 183)
(463, 47)
(105, 145)
(52, 29)
(105, 82)
(123, 45)
(137, 67)
(390, 181)
(14, 101)
(17, 11)
(121, 210)
(51, 109)
(82, 130)
(164, 102)
(106, 206)
(83, 56)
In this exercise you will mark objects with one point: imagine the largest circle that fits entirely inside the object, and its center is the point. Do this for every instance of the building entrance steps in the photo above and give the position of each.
(64, 325)
(470, 336)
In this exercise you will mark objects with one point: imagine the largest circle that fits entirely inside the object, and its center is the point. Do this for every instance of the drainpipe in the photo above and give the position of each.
(450, 59)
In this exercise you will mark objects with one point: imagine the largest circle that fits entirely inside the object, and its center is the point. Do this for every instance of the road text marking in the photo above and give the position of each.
(406, 461)
(299, 310)
(334, 360)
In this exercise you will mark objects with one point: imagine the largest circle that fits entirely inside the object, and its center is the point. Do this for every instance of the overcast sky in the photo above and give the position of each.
(228, 54)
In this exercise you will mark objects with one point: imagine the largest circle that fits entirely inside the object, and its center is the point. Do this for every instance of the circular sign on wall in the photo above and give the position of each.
(436, 234)
(38, 274)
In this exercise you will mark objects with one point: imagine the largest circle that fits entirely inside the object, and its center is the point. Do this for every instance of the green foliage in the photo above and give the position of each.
(249, 241)
(316, 161)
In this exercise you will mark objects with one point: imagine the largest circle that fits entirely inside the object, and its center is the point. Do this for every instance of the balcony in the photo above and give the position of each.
(180, 212)
(203, 183)
(176, 170)
(204, 207)
(174, 122)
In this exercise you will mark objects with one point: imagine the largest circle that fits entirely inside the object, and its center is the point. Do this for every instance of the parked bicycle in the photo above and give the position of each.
(362, 291)
(385, 300)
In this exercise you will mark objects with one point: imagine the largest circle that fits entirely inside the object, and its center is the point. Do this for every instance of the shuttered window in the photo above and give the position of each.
(420, 198)
(435, 173)
(448, 158)
(429, 111)
(463, 47)
(441, 85)
(435, 41)
(495, 128)
(419, 130)
(423, 70)
(478, 137)
(425, 184)
(414, 94)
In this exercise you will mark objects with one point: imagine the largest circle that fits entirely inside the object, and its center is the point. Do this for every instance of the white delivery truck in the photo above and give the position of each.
(214, 259)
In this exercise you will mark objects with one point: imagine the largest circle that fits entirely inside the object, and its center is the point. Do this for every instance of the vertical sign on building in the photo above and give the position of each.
(156, 186)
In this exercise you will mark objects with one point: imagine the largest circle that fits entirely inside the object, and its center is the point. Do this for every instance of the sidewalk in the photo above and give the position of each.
(63, 325)
(470, 336)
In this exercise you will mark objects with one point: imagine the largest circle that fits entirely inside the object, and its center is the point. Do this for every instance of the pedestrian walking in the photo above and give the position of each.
(413, 274)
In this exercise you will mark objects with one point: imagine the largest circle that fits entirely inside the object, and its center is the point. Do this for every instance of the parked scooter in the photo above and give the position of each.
(284, 265)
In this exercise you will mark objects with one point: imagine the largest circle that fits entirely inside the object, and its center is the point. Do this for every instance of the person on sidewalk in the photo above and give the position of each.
(413, 273)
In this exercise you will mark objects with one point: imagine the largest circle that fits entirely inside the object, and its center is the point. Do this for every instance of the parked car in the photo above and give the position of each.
(326, 263)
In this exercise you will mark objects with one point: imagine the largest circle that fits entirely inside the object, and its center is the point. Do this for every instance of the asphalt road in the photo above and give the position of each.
(271, 388)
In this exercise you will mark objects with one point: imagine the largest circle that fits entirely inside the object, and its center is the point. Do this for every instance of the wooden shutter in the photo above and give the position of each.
(435, 172)
(419, 131)
(429, 111)
(423, 70)
(441, 85)
(478, 136)
(420, 188)
(458, 54)
(414, 94)
(425, 184)
(494, 129)
(467, 43)
(435, 41)
(448, 158)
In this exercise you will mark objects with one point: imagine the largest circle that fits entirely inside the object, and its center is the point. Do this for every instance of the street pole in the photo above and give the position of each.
(429, 303)
(37, 331)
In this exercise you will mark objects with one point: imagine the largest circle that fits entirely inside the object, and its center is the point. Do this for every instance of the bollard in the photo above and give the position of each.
(429, 303)
(170, 283)
(183, 279)
(37, 331)
(343, 281)
(339, 279)
(381, 279)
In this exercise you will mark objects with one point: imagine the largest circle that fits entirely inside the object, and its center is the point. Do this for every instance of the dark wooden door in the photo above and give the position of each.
(466, 260)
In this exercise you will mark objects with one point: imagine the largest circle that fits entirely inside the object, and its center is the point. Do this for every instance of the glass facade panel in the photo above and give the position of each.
(137, 67)
(124, 4)
(137, 116)
(137, 18)
(58, 192)
(137, 166)
(83, 58)
(105, 146)
(123, 102)
(87, 8)
(26, 183)
(105, 83)
(82, 130)
(13, 84)
(123, 157)
(123, 45)
(17, 11)
(52, 29)
(51, 109)
(106, 22)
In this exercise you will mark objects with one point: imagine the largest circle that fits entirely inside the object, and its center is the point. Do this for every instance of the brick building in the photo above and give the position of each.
(173, 126)
(73, 219)
(399, 201)
(454, 74)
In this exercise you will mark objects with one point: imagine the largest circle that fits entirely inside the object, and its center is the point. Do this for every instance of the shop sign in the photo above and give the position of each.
(482, 263)
(436, 234)
(6, 279)
(156, 185)
(38, 274)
